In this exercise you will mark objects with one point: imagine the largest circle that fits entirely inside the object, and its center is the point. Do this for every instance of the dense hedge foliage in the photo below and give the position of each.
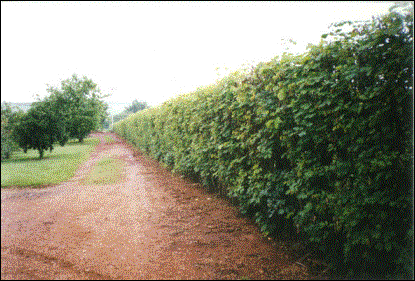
(318, 144)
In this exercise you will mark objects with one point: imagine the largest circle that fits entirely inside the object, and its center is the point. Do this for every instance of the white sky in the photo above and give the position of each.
(153, 51)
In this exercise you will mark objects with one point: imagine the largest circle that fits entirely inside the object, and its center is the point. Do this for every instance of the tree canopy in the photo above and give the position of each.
(136, 106)
(41, 127)
(81, 102)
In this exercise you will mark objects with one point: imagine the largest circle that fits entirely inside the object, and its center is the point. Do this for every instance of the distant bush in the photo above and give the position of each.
(7, 144)
(9, 117)
(317, 144)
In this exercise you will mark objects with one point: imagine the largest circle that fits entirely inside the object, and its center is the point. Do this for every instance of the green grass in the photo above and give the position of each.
(106, 171)
(25, 169)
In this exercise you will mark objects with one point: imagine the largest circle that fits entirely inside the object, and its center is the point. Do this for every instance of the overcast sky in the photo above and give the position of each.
(153, 51)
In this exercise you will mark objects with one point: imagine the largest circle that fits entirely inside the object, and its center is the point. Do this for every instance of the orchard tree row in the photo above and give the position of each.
(69, 112)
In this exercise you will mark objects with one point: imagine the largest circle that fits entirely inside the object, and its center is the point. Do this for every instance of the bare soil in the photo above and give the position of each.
(151, 225)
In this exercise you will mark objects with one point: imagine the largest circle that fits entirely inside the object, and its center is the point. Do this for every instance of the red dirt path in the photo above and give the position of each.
(152, 225)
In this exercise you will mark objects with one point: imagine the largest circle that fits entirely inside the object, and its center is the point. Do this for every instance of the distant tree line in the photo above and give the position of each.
(128, 110)
(69, 112)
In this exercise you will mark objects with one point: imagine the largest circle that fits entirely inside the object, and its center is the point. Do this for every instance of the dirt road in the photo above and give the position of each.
(152, 225)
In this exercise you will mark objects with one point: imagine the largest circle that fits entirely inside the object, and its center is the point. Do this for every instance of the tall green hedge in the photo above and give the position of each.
(318, 144)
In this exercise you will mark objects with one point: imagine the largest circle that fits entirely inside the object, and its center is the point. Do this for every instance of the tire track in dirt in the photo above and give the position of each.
(151, 225)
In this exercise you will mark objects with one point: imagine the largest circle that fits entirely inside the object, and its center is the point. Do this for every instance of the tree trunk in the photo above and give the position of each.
(40, 154)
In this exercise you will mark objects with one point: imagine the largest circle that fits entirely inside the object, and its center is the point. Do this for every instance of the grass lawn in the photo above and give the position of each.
(25, 169)
(106, 171)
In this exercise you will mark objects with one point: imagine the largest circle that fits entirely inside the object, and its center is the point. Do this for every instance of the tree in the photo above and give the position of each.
(137, 106)
(82, 103)
(41, 127)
